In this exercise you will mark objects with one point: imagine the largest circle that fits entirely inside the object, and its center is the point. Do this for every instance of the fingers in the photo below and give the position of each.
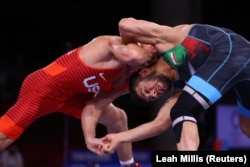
(102, 146)
(95, 145)
(107, 148)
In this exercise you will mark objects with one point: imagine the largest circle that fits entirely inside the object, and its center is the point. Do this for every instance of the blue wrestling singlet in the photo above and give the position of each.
(219, 60)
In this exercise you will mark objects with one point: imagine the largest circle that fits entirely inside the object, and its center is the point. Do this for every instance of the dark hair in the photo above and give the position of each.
(136, 78)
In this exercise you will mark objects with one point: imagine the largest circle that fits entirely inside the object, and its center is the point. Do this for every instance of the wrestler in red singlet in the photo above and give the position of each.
(65, 85)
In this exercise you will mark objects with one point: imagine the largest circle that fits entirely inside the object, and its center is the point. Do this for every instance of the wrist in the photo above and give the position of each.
(122, 137)
(89, 138)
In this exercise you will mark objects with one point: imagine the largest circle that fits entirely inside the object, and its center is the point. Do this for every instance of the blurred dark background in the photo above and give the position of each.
(35, 33)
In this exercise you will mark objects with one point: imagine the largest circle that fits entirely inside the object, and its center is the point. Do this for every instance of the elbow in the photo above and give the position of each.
(123, 23)
(161, 129)
(127, 30)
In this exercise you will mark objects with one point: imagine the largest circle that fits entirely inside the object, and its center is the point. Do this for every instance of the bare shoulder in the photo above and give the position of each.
(107, 39)
(98, 51)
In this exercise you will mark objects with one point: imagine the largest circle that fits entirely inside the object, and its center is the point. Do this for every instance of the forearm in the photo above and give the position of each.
(189, 137)
(161, 123)
(89, 120)
(93, 110)
(184, 117)
(133, 30)
(143, 131)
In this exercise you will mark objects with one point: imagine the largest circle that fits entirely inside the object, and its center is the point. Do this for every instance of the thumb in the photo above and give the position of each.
(103, 139)
(107, 149)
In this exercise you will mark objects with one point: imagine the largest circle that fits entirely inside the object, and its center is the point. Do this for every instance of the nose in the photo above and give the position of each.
(151, 95)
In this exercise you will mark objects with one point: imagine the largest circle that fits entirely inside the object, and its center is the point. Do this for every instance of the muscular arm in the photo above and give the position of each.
(110, 51)
(146, 130)
(184, 116)
(189, 137)
(161, 36)
(91, 114)
(90, 117)
(133, 55)
(132, 30)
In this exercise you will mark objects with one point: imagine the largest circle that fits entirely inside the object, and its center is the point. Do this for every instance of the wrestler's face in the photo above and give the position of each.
(151, 87)
(150, 90)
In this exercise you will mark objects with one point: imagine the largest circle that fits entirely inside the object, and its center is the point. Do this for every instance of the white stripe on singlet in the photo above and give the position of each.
(183, 118)
(198, 97)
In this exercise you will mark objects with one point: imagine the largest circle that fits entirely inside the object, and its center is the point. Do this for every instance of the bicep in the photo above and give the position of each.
(121, 53)
(130, 54)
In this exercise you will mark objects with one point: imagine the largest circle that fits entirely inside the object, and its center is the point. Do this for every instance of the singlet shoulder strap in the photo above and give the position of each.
(175, 56)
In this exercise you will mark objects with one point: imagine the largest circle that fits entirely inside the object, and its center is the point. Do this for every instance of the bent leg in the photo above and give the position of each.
(116, 121)
(9, 132)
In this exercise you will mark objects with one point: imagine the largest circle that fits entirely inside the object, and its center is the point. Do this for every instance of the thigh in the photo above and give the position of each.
(112, 115)
(75, 104)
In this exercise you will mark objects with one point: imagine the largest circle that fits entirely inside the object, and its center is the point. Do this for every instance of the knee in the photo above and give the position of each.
(118, 122)
(120, 118)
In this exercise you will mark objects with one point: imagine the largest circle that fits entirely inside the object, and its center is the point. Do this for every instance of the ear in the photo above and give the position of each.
(144, 71)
